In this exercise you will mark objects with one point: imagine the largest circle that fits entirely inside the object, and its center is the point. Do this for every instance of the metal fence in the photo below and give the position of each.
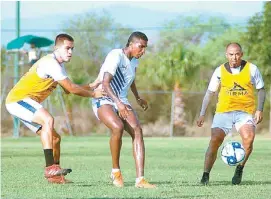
(169, 114)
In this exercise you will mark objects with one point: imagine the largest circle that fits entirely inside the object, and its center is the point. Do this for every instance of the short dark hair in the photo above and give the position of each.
(138, 35)
(61, 37)
(235, 43)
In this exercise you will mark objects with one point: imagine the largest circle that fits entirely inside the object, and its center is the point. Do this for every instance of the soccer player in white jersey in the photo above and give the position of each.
(24, 101)
(236, 106)
(117, 75)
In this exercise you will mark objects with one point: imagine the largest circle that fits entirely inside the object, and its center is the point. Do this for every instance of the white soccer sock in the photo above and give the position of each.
(139, 179)
(115, 170)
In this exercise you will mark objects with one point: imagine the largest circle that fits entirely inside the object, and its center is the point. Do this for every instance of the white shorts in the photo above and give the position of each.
(25, 110)
(98, 102)
(226, 121)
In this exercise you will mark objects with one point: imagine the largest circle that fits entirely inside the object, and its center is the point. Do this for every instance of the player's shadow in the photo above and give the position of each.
(179, 196)
(123, 198)
(229, 183)
(117, 198)
(132, 183)
(250, 182)
(127, 184)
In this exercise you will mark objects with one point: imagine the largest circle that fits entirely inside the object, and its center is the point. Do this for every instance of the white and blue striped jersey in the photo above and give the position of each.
(123, 70)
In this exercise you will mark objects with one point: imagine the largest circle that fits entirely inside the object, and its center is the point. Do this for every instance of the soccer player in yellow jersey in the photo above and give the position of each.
(24, 101)
(236, 106)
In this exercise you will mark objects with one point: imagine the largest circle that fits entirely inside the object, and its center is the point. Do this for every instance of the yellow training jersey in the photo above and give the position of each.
(236, 92)
(33, 86)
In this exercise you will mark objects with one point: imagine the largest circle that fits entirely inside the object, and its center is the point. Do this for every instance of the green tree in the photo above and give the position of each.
(174, 63)
(95, 34)
(257, 40)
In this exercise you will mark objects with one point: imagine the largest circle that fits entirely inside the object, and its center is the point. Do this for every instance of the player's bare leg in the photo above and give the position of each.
(109, 117)
(56, 146)
(43, 117)
(217, 138)
(247, 133)
(132, 126)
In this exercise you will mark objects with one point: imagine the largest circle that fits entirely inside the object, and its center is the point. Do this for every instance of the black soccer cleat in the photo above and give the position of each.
(237, 178)
(55, 170)
(205, 178)
(66, 171)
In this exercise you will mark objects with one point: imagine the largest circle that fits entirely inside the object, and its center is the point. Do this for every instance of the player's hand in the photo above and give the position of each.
(124, 110)
(200, 121)
(143, 103)
(258, 117)
(94, 84)
(99, 93)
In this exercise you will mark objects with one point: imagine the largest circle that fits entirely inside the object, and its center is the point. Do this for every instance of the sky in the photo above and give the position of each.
(30, 9)
(46, 18)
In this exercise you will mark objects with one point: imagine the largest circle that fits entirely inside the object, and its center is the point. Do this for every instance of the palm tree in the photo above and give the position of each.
(178, 60)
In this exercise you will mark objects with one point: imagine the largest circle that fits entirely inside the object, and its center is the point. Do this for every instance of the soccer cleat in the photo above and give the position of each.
(55, 170)
(58, 180)
(237, 178)
(144, 184)
(117, 179)
(205, 178)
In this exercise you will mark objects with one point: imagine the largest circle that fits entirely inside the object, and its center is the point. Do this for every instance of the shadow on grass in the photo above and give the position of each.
(226, 183)
(179, 196)
(248, 182)
(118, 198)
(126, 184)
(182, 184)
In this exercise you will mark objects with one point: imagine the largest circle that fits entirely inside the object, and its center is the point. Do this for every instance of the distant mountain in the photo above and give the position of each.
(148, 21)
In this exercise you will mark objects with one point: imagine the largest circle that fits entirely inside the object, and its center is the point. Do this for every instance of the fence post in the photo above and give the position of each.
(172, 114)
(16, 121)
(65, 111)
(270, 110)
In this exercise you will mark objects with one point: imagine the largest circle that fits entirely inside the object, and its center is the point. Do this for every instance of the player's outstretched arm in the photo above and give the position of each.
(76, 89)
(92, 85)
(66, 91)
(204, 106)
(95, 84)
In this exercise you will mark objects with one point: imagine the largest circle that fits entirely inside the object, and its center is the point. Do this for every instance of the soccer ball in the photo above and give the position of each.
(233, 153)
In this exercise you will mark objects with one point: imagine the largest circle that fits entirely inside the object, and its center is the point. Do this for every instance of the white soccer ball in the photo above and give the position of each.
(233, 153)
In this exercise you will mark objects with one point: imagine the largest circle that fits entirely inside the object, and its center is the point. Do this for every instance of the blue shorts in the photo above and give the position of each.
(227, 120)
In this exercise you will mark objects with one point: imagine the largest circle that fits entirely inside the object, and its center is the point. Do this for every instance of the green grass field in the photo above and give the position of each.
(175, 165)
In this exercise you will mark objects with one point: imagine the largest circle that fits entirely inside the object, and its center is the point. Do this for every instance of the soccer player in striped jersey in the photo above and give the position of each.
(117, 75)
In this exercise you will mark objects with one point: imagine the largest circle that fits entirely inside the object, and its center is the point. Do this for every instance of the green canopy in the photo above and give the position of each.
(30, 39)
